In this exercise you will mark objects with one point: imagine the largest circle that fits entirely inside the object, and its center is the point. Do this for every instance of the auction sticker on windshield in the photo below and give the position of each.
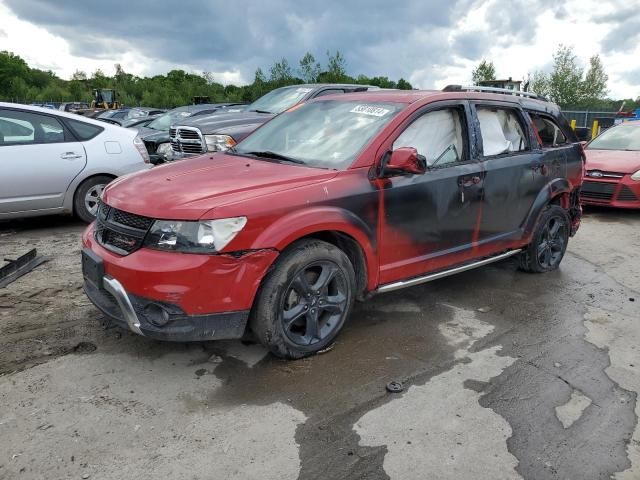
(370, 110)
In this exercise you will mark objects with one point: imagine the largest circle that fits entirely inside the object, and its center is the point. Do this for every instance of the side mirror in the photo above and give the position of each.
(404, 160)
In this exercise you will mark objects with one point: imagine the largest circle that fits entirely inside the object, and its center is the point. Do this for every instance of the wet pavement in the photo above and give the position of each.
(505, 375)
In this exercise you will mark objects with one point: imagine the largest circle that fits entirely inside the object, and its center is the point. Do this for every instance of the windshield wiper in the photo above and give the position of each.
(261, 111)
(274, 155)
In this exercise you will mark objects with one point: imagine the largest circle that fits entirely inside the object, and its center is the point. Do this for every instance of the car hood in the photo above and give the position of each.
(155, 136)
(189, 189)
(613, 160)
(211, 124)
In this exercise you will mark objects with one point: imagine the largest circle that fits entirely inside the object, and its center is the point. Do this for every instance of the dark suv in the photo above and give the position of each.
(215, 133)
(337, 199)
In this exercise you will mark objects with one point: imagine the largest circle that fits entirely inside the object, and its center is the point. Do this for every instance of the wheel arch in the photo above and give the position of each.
(555, 192)
(336, 226)
(73, 190)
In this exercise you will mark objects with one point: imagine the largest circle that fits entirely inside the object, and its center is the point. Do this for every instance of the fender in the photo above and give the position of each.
(551, 190)
(302, 223)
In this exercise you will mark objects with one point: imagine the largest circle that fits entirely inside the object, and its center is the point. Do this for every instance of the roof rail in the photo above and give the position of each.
(507, 91)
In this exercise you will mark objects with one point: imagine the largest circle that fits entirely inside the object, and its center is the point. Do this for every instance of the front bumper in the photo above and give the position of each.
(159, 320)
(622, 193)
(174, 296)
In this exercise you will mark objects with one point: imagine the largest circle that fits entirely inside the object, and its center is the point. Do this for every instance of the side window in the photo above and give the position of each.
(501, 131)
(20, 128)
(331, 91)
(84, 131)
(438, 136)
(548, 131)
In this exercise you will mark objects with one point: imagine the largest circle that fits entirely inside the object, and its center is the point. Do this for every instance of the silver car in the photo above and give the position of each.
(54, 162)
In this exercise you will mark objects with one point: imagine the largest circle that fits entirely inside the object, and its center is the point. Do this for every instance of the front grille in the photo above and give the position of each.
(627, 195)
(602, 174)
(599, 191)
(119, 231)
(187, 140)
(130, 219)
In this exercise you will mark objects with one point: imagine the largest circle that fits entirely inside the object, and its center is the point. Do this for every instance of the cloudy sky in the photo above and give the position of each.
(429, 42)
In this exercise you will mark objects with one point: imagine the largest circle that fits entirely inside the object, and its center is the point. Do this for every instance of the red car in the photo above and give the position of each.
(332, 201)
(612, 175)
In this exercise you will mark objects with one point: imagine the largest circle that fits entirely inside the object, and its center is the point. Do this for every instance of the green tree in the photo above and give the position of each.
(309, 68)
(565, 81)
(281, 72)
(485, 71)
(336, 68)
(594, 86)
(12, 67)
(539, 83)
(404, 85)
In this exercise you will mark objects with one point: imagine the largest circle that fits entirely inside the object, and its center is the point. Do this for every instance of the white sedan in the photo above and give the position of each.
(54, 162)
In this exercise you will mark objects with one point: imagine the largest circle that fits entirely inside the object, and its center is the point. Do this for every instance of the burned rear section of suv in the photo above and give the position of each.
(332, 201)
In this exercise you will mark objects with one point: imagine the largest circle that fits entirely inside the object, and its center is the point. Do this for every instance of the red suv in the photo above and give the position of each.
(332, 201)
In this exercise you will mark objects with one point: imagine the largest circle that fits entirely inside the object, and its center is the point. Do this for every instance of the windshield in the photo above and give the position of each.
(165, 121)
(618, 138)
(277, 101)
(327, 134)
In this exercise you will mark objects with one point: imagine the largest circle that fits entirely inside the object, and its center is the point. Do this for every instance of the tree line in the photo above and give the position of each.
(568, 84)
(21, 83)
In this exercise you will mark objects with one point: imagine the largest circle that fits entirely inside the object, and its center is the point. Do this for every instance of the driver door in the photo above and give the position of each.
(428, 221)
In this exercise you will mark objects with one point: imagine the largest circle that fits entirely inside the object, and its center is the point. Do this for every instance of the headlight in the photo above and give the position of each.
(209, 236)
(219, 143)
(165, 150)
(636, 176)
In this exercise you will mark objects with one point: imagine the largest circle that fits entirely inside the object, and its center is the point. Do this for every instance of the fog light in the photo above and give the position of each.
(156, 314)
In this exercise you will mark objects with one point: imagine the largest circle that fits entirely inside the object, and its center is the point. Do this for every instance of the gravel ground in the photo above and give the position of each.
(506, 375)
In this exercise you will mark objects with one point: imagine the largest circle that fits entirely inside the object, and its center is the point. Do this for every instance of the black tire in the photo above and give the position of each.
(91, 187)
(549, 243)
(305, 299)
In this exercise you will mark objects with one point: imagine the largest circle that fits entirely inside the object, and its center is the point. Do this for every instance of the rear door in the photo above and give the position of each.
(38, 158)
(513, 165)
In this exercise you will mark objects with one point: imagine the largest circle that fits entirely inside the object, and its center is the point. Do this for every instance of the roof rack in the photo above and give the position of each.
(507, 91)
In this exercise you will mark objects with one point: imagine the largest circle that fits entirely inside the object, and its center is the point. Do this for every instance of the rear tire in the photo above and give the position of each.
(305, 300)
(87, 197)
(549, 242)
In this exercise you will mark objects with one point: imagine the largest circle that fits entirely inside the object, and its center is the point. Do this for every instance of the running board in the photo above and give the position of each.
(390, 287)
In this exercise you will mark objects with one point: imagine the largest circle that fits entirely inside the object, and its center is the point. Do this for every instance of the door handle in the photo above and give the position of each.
(539, 166)
(70, 155)
(469, 181)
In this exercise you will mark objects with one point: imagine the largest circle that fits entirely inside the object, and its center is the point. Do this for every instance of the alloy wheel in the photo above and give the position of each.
(92, 198)
(314, 303)
(552, 242)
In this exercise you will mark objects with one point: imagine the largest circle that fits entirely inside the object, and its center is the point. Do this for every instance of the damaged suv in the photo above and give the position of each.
(334, 200)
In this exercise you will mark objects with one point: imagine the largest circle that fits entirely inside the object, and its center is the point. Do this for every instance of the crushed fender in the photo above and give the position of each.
(20, 266)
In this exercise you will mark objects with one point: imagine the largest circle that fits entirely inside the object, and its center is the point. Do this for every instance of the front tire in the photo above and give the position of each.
(305, 299)
(87, 197)
(549, 242)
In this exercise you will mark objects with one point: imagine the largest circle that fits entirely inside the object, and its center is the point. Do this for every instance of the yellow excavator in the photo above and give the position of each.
(105, 98)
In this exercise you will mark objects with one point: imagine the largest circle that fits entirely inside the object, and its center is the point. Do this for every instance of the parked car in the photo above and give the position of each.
(131, 122)
(118, 113)
(57, 162)
(612, 175)
(156, 134)
(341, 198)
(73, 106)
(219, 132)
(143, 112)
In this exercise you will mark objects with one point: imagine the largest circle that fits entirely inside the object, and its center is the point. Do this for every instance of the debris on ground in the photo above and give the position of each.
(484, 309)
(20, 266)
(394, 387)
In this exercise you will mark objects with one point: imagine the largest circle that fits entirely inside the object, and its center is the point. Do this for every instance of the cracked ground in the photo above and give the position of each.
(506, 375)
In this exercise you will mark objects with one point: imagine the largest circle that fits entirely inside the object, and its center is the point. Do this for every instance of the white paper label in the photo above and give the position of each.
(370, 110)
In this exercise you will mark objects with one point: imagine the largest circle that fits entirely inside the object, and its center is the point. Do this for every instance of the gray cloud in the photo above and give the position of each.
(624, 29)
(409, 38)
(633, 76)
